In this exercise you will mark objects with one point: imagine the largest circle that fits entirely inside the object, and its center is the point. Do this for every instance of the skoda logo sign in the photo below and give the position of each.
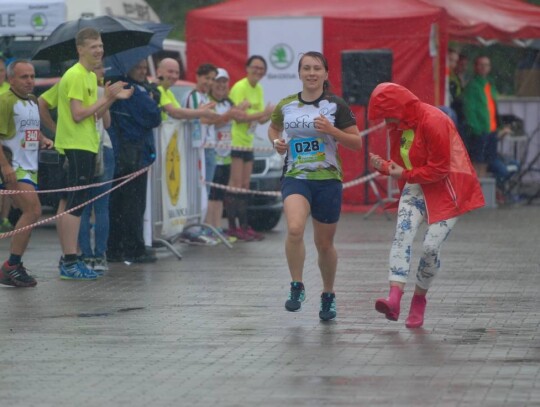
(39, 21)
(281, 56)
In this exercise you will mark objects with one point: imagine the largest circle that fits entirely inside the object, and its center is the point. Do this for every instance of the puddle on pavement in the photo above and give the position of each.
(97, 314)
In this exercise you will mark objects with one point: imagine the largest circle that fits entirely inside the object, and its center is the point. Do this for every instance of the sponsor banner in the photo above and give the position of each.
(173, 178)
(281, 41)
(37, 17)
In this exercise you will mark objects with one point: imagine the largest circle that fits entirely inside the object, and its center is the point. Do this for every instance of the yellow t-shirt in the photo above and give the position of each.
(79, 84)
(406, 142)
(243, 133)
(51, 96)
(167, 98)
(4, 87)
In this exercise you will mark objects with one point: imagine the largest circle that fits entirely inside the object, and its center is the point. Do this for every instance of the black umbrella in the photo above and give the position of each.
(122, 62)
(118, 34)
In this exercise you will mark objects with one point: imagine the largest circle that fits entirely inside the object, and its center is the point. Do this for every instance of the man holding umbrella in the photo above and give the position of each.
(77, 137)
(131, 131)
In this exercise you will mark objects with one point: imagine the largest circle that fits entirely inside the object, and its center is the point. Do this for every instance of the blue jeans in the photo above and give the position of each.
(210, 165)
(101, 212)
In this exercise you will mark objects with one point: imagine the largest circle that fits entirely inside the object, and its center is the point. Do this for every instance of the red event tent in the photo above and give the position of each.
(218, 34)
(501, 20)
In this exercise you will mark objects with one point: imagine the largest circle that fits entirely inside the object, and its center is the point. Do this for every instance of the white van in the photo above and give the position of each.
(171, 49)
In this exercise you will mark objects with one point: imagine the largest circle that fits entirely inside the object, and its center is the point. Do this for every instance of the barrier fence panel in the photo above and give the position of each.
(177, 196)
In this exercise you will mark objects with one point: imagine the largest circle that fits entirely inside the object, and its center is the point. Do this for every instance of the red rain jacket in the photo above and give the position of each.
(441, 165)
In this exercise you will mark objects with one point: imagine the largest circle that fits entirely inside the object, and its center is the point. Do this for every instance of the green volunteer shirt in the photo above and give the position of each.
(80, 84)
(167, 98)
(4, 87)
(243, 133)
(51, 96)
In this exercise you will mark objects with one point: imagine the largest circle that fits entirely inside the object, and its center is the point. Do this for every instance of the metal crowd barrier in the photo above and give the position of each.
(178, 196)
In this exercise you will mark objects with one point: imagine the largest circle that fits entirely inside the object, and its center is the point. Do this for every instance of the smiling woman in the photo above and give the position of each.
(248, 92)
(315, 122)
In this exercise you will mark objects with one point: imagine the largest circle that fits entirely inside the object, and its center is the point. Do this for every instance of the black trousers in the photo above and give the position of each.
(126, 213)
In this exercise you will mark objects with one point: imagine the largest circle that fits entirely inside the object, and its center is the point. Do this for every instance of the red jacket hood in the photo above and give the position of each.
(390, 100)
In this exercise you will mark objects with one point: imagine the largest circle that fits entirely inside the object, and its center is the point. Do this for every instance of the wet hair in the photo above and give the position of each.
(205, 69)
(320, 57)
(10, 70)
(260, 58)
(87, 33)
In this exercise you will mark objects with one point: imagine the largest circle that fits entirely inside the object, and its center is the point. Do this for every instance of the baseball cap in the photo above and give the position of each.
(222, 73)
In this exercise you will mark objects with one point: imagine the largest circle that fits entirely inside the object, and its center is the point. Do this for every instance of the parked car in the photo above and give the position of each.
(265, 211)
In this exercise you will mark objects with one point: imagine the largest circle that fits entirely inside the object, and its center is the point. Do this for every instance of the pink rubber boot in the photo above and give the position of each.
(416, 313)
(390, 306)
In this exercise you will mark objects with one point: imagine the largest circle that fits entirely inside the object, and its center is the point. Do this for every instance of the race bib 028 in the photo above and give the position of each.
(307, 150)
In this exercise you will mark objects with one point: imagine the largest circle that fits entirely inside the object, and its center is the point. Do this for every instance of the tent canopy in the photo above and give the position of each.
(501, 20)
(218, 34)
(240, 10)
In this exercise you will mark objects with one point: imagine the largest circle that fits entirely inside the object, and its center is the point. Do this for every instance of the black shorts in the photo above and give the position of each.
(221, 176)
(80, 171)
(244, 155)
(324, 196)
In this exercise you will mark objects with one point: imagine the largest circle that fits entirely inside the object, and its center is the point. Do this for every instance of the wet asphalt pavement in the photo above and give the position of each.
(211, 329)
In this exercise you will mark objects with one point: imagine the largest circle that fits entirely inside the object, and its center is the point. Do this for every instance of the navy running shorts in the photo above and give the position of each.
(324, 196)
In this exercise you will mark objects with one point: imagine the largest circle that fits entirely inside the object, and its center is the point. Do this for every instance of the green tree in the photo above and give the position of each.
(174, 12)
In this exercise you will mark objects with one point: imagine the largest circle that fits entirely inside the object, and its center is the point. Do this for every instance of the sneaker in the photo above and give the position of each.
(100, 265)
(328, 306)
(240, 234)
(230, 239)
(77, 271)
(256, 235)
(16, 276)
(88, 262)
(296, 296)
(199, 238)
(143, 258)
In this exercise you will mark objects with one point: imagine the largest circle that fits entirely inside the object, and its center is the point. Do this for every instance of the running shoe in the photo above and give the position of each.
(100, 265)
(230, 239)
(88, 262)
(240, 234)
(256, 235)
(328, 306)
(16, 276)
(146, 257)
(77, 271)
(297, 295)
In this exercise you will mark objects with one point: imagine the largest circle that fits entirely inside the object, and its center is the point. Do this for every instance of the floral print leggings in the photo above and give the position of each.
(411, 214)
